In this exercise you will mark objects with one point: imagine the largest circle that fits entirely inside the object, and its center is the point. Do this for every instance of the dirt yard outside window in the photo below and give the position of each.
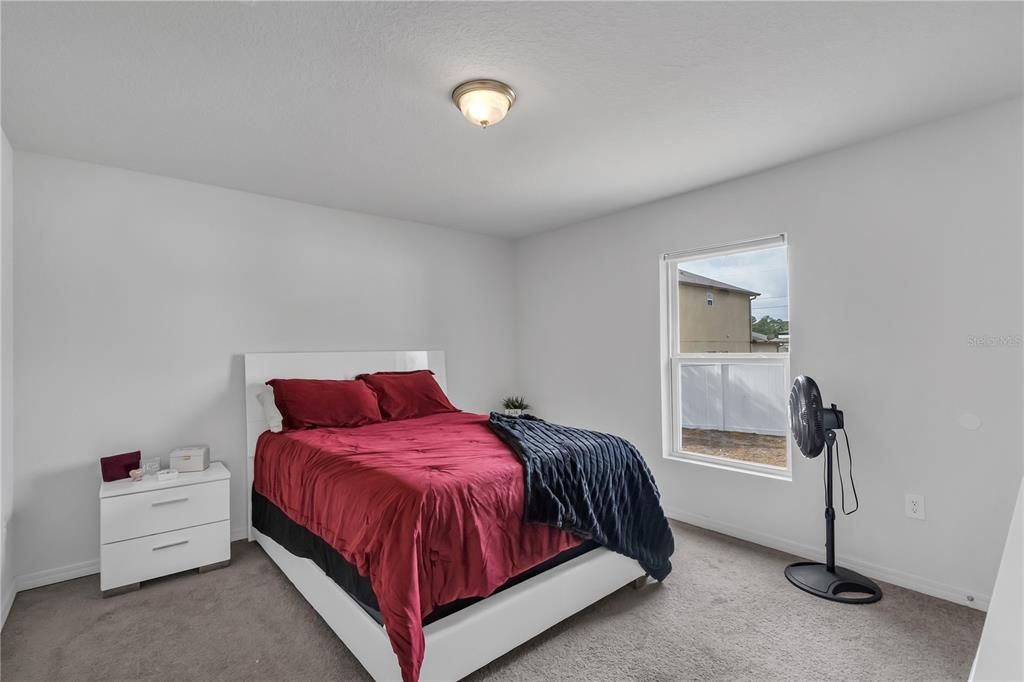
(747, 447)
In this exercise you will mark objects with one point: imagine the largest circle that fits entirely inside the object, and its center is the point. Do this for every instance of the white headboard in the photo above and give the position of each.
(260, 367)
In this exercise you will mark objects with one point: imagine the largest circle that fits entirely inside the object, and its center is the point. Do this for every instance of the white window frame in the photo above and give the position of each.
(673, 360)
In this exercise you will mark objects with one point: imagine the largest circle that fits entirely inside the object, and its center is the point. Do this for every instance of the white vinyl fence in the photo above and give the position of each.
(749, 398)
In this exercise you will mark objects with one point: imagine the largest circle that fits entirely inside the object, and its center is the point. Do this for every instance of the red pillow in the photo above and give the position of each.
(405, 395)
(311, 403)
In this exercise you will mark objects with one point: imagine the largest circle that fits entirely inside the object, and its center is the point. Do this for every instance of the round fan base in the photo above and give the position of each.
(839, 584)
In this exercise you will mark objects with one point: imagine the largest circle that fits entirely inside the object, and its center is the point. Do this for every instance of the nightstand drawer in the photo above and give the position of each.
(156, 511)
(132, 561)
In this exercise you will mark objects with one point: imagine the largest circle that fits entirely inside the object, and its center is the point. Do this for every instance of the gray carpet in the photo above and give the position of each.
(726, 613)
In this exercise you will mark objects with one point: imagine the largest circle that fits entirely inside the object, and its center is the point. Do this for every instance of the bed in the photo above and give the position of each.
(462, 635)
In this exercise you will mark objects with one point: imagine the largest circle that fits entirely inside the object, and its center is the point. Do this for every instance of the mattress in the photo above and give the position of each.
(275, 524)
(428, 512)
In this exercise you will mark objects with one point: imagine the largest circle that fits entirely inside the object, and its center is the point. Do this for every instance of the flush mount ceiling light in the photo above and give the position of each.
(483, 102)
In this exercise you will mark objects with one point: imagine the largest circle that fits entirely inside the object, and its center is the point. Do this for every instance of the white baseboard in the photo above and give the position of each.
(8, 601)
(889, 575)
(56, 575)
(71, 571)
(883, 573)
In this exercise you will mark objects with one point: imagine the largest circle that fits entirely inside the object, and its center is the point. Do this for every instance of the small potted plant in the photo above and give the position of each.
(515, 405)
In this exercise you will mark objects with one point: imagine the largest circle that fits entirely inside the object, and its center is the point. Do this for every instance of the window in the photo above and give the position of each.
(727, 356)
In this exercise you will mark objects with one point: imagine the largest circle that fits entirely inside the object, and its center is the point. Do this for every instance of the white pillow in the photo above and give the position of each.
(275, 421)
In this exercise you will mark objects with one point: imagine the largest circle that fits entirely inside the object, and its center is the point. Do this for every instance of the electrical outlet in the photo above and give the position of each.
(914, 506)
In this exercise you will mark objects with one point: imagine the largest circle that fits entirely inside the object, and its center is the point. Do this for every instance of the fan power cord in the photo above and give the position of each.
(842, 486)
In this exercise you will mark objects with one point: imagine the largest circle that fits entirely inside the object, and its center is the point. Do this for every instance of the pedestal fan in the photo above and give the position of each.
(813, 427)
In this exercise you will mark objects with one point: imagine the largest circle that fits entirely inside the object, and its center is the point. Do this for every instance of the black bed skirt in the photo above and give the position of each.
(272, 522)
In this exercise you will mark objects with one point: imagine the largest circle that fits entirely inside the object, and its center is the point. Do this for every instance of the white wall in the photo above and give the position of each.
(1000, 654)
(900, 248)
(137, 295)
(6, 379)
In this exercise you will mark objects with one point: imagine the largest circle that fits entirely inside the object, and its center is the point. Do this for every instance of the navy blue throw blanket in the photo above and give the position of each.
(594, 485)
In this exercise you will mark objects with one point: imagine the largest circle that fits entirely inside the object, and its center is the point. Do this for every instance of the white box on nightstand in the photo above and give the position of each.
(190, 458)
(151, 528)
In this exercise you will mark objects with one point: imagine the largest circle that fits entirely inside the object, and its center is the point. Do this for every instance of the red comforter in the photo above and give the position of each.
(429, 509)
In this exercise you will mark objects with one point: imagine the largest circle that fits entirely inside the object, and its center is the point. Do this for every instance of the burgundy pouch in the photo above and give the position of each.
(116, 467)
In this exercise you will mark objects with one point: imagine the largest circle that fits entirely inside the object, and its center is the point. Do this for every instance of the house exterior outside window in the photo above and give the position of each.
(720, 328)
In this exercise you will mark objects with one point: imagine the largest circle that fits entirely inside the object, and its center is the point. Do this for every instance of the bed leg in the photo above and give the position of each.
(639, 582)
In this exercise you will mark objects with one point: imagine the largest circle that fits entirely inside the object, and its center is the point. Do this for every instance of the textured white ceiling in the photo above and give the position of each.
(347, 104)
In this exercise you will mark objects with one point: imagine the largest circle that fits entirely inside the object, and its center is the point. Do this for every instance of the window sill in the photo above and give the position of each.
(731, 465)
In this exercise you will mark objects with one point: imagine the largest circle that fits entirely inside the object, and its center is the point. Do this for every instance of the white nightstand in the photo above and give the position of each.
(149, 529)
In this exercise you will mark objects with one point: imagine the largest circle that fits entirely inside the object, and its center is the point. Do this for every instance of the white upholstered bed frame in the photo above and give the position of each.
(468, 639)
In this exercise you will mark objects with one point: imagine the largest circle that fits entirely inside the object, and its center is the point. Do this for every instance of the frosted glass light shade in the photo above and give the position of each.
(483, 102)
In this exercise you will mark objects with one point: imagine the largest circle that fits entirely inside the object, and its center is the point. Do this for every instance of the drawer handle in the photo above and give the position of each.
(163, 502)
(171, 544)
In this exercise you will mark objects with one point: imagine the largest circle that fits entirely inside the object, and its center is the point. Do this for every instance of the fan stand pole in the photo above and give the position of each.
(830, 512)
(827, 580)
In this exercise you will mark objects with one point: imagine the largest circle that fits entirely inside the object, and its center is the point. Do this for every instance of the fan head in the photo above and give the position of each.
(806, 418)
